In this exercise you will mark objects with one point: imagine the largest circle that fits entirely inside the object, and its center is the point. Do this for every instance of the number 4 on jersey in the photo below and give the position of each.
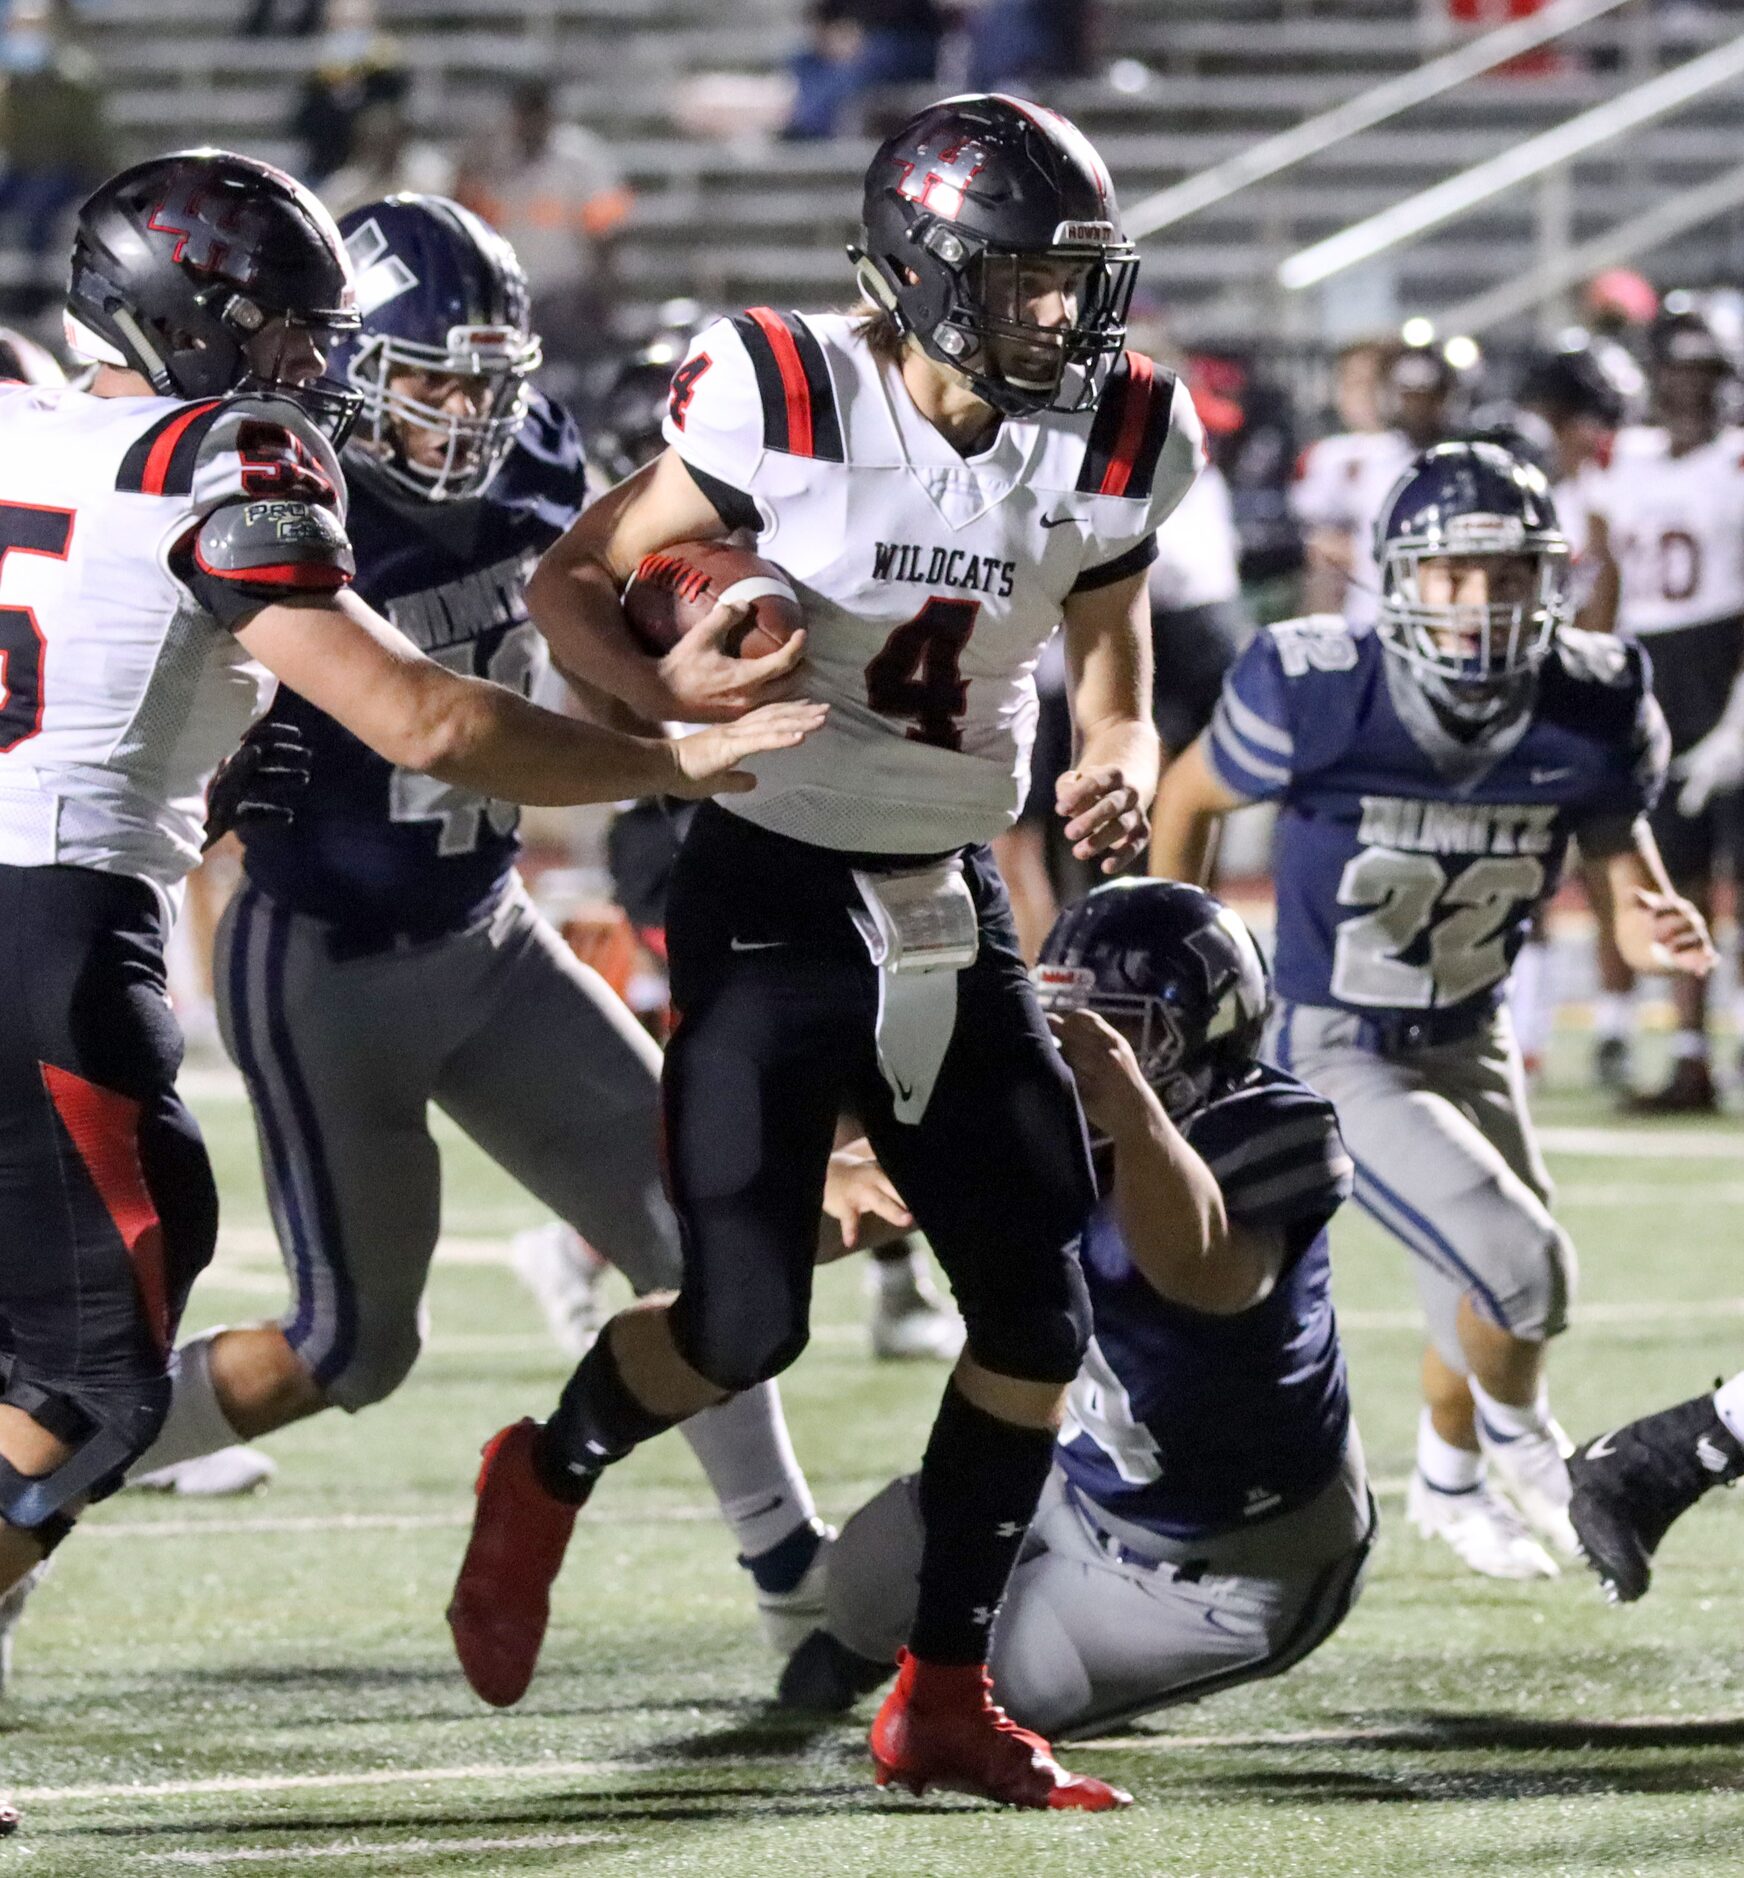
(917, 673)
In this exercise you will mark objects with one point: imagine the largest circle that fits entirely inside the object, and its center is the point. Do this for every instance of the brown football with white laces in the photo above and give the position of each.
(675, 588)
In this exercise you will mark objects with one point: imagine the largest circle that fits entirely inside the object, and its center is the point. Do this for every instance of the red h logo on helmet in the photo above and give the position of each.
(218, 241)
(942, 188)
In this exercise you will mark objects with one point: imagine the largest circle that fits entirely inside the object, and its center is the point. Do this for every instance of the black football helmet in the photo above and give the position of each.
(179, 263)
(627, 428)
(1684, 333)
(1175, 971)
(1470, 499)
(956, 202)
(1574, 380)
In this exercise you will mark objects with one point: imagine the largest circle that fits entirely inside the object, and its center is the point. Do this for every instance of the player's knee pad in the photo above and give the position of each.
(1545, 1287)
(1042, 1342)
(107, 1429)
(382, 1359)
(741, 1362)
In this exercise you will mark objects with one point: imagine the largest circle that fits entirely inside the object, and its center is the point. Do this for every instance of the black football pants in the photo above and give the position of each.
(776, 1000)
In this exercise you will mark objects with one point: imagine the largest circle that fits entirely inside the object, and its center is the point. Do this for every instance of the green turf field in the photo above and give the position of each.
(266, 1685)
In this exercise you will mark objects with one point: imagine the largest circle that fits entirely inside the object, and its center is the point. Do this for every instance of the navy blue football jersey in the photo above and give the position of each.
(1408, 860)
(1193, 1424)
(374, 847)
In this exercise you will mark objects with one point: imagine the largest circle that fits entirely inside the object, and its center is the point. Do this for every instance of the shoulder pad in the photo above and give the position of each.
(265, 449)
(1275, 1148)
(1134, 417)
(798, 397)
(1319, 642)
(298, 546)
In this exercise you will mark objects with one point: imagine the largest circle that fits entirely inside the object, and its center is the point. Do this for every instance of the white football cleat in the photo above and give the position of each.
(1482, 1528)
(564, 1274)
(11, 1609)
(1532, 1470)
(217, 1476)
(787, 1618)
(910, 1321)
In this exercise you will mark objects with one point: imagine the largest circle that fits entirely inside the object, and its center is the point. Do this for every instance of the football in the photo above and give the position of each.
(677, 587)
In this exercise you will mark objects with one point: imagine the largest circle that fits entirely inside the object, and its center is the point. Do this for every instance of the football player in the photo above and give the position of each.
(1343, 480)
(382, 955)
(1430, 774)
(945, 476)
(1633, 1484)
(1207, 1520)
(1670, 513)
(171, 539)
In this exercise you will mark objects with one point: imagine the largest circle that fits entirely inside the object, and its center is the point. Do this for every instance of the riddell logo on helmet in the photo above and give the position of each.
(215, 242)
(942, 186)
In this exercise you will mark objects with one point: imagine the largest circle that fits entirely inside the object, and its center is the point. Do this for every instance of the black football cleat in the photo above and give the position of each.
(824, 1677)
(1689, 1090)
(1631, 1484)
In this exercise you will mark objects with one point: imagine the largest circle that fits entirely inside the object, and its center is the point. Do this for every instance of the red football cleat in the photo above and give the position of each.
(940, 1727)
(502, 1598)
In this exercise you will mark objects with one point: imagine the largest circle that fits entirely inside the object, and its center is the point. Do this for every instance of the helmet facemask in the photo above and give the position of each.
(271, 353)
(1156, 1034)
(473, 444)
(1469, 655)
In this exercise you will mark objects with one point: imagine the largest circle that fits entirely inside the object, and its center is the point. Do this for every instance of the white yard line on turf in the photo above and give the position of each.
(375, 1777)
(1643, 1144)
(387, 1848)
(1477, 1732)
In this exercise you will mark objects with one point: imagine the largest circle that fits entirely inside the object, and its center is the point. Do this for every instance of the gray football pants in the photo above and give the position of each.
(1446, 1161)
(1103, 1621)
(502, 1027)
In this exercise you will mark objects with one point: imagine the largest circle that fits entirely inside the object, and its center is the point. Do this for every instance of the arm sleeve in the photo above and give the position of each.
(1170, 442)
(1134, 561)
(1278, 1158)
(267, 520)
(714, 412)
(1251, 743)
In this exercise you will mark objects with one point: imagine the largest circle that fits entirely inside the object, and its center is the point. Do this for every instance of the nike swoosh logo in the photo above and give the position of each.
(1057, 521)
(1597, 1450)
(757, 945)
(905, 1090)
(1542, 776)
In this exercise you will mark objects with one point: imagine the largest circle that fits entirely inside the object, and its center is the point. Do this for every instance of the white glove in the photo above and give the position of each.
(1713, 766)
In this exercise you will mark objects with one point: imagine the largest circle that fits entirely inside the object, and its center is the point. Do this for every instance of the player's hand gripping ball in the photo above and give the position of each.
(678, 587)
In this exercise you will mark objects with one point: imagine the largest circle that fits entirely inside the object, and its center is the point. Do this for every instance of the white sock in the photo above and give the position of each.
(1689, 1043)
(1729, 1404)
(1613, 1015)
(1531, 998)
(1507, 1420)
(1450, 1469)
(195, 1425)
(746, 1452)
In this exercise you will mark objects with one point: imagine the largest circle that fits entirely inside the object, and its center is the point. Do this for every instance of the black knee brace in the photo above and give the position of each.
(107, 1430)
(1043, 1343)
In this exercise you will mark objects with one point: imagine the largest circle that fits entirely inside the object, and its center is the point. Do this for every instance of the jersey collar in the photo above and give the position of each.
(962, 489)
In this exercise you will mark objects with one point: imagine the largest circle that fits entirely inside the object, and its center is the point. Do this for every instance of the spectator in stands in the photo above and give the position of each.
(359, 66)
(305, 17)
(1022, 42)
(555, 191)
(856, 46)
(54, 140)
(385, 159)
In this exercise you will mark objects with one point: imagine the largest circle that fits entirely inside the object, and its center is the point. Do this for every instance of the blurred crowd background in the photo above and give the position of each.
(656, 160)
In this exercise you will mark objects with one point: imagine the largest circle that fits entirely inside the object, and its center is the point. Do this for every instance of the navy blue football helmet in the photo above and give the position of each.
(1470, 500)
(441, 293)
(1175, 971)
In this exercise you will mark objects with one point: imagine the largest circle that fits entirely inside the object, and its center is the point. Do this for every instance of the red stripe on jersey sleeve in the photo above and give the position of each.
(793, 381)
(1141, 376)
(157, 465)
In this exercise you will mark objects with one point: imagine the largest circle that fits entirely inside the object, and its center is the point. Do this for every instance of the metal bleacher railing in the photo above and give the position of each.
(1545, 159)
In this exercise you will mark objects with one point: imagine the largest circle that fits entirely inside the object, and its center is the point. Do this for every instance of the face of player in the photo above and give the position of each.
(288, 352)
(1477, 582)
(452, 394)
(1039, 292)
(1422, 416)
(1686, 395)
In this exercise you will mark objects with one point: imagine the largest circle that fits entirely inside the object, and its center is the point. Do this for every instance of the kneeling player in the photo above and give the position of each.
(1430, 774)
(1207, 1520)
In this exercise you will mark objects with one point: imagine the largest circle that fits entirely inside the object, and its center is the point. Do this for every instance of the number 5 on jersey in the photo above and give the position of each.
(25, 529)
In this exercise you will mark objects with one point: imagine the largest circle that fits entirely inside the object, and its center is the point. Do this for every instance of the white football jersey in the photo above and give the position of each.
(930, 581)
(1676, 527)
(1198, 551)
(121, 693)
(1341, 483)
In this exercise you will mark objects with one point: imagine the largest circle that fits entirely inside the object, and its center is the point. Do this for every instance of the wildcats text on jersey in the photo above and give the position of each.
(942, 567)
